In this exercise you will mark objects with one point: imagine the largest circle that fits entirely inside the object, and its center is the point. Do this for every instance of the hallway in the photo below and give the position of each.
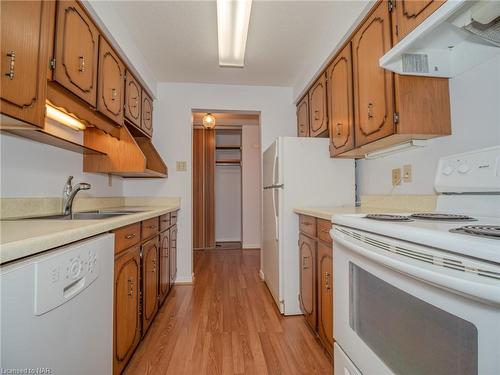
(227, 323)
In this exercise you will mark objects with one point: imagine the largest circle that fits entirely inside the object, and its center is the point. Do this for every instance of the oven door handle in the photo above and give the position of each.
(473, 289)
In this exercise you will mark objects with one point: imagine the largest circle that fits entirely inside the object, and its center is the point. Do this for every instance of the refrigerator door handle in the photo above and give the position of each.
(280, 186)
(276, 216)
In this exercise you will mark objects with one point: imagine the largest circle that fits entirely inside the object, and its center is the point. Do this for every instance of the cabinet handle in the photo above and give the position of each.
(135, 102)
(131, 283)
(12, 58)
(129, 236)
(327, 281)
(154, 266)
(151, 226)
(316, 115)
(306, 223)
(113, 94)
(325, 230)
(304, 266)
(370, 110)
(339, 128)
(81, 69)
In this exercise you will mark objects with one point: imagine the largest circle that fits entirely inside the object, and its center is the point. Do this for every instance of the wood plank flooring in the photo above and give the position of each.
(227, 323)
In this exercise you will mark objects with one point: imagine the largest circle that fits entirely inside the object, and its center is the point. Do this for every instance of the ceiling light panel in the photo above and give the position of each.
(233, 17)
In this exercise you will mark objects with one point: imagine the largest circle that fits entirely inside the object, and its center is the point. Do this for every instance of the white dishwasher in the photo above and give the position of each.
(57, 311)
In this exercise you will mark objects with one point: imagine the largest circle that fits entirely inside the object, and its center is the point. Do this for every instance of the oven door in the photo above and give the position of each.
(408, 314)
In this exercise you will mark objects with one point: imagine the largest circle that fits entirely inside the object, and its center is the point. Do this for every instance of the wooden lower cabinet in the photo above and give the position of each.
(325, 294)
(127, 324)
(307, 250)
(316, 280)
(173, 254)
(149, 283)
(164, 262)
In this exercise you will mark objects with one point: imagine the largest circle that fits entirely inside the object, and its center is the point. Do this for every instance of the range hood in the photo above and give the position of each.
(456, 37)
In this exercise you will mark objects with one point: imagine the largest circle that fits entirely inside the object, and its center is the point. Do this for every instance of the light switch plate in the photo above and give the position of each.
(407, 173)
(396, 176)
(181, 166)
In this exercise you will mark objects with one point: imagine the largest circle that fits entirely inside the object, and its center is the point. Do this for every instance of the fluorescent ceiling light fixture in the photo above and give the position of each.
(233, 17)
(411, 144)
(63, 118)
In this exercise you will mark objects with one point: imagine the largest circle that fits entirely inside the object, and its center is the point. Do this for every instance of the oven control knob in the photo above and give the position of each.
(75, 268)
(463, 168)
(447, 170)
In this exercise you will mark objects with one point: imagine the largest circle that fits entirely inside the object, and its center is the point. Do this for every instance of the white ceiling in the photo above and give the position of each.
(287, 40)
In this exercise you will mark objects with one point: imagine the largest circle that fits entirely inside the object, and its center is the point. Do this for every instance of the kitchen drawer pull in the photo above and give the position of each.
(327, 281)
(370, 110)
(304, 266)
(81, 69)
(306, 223)
(339, 129)
(325, 230)
(129, 236)
(316, 115)
(131, 283)
(113, 94)
(152, 226)
(12, 58)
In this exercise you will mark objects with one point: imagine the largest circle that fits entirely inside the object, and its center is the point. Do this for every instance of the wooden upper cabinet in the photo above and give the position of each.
(173, 254)
(325, 295)
(133, 100)
(24, 48)
(318, 123)
(126, 308)
(149, 282)
(340, 102)
(303, 117)
(164, 286)
(307, 251)
(110, 83)
(408, 14)
(373, 86)
(76, 51)
(147, 114)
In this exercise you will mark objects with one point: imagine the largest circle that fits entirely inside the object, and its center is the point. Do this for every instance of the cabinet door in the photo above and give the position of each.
(373, 86)
(340, 103)
(111, 87)
(133, 99)
(76, 51)
(318, 123)
(164, 265)
(24, 48)
(173, 254)
(307, 252)
(408, 14)
(303, 117)
(149, 283)
(127, 327)
(147, 114)
(325, 295)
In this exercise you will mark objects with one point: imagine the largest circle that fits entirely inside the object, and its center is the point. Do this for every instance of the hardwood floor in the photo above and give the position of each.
(227, 323)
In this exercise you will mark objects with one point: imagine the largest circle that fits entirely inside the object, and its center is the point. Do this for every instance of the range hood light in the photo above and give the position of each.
(233, 17)
(63, 118)
(412, 144)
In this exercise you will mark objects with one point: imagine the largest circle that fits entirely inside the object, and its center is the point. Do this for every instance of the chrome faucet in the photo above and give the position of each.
(69, 194)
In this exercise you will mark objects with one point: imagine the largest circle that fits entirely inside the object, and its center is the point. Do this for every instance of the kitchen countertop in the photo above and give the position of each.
(22, 238)
(326, 213)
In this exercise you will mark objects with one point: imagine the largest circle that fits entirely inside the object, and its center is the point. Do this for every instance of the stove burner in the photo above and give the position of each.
(386, 217)
(487, 231)
(442, 217)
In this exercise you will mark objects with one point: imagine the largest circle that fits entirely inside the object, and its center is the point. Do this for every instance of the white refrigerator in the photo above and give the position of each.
(297, 172)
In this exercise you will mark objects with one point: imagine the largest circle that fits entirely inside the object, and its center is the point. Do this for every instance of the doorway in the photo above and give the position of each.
(226, 181)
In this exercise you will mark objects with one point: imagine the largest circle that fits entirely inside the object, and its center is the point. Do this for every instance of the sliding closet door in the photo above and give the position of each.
(203, 188)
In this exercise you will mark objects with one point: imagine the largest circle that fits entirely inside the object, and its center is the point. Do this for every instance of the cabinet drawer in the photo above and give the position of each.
(308, 225)
(324, 227)
(126, 237)
(173, 218)
(164, 222)
(150, 227)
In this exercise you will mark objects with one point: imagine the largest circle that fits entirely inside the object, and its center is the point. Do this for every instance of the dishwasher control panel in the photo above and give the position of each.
(64, 275)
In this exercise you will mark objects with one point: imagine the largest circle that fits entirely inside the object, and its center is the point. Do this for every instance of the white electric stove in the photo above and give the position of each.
(420, 293)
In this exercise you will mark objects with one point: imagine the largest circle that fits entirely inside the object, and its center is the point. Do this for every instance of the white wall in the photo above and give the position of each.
(173, 139)
(32, 169)
(475, 117)
(252, 187)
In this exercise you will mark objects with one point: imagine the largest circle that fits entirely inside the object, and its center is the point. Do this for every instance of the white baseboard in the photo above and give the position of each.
(261, 275)
(251, 246)
(184, 280)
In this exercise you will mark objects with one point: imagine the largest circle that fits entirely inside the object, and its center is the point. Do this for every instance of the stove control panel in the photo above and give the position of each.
(471, 172)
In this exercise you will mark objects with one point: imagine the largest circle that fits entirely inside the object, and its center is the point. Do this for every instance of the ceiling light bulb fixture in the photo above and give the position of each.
(208, 121)
(233, 17)
(63, 118)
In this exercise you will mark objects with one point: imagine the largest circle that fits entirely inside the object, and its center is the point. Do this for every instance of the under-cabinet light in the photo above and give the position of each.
(413, 143)
(233, 17)
(63, 118)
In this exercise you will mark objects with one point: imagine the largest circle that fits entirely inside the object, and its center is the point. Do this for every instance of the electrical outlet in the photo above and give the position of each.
(181, 166)
(407, 173)
(396, 176)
